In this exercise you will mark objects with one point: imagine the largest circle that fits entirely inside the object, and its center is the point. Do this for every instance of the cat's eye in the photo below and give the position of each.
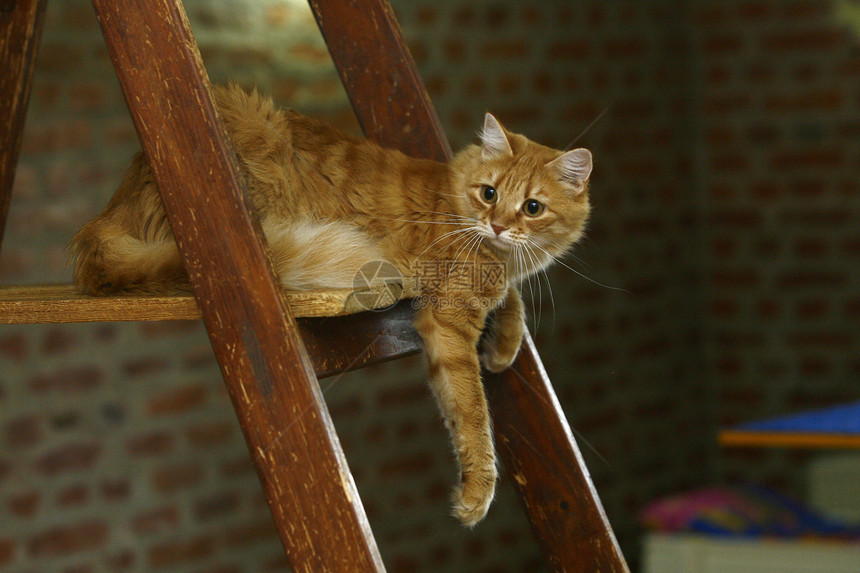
(489, 194)
(533, 208)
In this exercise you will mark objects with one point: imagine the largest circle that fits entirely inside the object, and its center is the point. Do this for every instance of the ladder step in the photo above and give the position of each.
(31, 304)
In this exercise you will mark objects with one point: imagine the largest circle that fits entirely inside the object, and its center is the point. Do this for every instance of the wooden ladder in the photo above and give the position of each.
(270, 360)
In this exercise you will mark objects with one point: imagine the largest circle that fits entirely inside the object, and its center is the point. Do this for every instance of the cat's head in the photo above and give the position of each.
(526, 197)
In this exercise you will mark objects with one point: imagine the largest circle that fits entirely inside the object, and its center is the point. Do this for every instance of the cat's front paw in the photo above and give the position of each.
(472, 498)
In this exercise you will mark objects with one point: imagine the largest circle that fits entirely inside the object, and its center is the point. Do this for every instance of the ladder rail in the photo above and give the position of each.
(20, 31)
(392, 105)
(271, 381)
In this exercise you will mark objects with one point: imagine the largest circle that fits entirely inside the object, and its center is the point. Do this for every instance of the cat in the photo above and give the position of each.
(330, 202)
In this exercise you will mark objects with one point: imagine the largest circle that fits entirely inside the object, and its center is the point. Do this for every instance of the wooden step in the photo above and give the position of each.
(30, 304)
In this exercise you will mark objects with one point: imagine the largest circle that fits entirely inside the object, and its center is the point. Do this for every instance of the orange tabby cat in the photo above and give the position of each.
(469, 231)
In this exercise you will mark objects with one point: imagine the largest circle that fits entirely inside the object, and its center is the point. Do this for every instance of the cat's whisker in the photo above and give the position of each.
(455, 223)
(443, 237)
(450, 215)
(589, 279)
(548, 285)
(536, 277)
(528, 278)
(533, 257)
(476, 237)
(477, 250)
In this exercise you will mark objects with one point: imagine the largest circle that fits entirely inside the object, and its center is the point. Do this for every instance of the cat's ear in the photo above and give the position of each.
(494, 139)
(573, 168)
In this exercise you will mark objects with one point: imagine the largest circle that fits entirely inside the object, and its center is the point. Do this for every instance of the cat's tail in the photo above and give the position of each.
(108, 260)
(307, 255)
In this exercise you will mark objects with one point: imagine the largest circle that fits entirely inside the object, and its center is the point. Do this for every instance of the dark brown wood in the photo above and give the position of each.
(342, 343)
(20, 29)
(393, 107)
(547, 469)
(305, 477)
(380, 76)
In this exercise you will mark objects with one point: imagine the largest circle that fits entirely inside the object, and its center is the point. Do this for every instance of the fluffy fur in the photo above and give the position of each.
(330, 202)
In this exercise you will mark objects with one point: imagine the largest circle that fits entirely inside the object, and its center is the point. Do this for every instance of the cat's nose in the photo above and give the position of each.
(497, 228)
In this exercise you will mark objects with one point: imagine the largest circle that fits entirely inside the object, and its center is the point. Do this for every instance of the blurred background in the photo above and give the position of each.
(719, 282)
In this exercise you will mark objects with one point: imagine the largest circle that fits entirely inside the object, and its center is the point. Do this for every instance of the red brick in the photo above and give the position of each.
(851, 246)
(211, 433)
(250, 533)
(24, 431)
(464, 16)
(57, 339)
(570, 49)
(145, 366)
(177, 477)
(68, 458)
(651, 347)
(808, 158)
(14, 346)
(828, 218)
(68, 539)
(724, 308)
(830, 339)
(178, 552)
(737, 218)
(152, 521)
(729, 161)
(216, 506)
(803, 40)
(741, 397)
(411, 464)
(815, 366)
(150, 444)
(811, 309)
(58, 57)
(810, 248)
(725, 103)
(811, 278)
(8, 549)
(724, 43)
(626, 48)
(239, 465)
(804, 9)
(407, 394)
(755, 11)
(24, 504)
(115, 490)
(823, 100)
(66, 135)
(178, 401)
(426, 15)
(504, 49)
(68, 380)
(739, 278)
(121, 561)
(724, 247)
(73, 495)
(496, 16)
(89, 95)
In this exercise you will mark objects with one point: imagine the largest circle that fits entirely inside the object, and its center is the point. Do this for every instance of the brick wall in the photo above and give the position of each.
(725, 194)
(779, 161)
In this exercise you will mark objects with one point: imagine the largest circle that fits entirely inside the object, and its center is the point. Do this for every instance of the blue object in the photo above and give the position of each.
(838, 420)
